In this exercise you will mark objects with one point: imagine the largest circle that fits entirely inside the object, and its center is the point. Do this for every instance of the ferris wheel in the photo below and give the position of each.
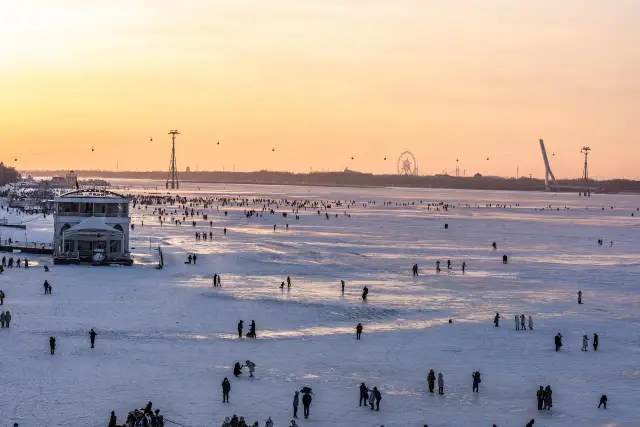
(407, 164)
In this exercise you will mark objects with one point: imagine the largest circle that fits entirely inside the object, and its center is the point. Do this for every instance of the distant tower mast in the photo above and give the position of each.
(172, 180)
(585, 171)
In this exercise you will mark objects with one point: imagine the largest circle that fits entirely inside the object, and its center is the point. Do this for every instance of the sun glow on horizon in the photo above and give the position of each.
(323, 81)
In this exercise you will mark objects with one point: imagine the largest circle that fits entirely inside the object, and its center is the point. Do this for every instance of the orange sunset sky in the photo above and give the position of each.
(321, 81)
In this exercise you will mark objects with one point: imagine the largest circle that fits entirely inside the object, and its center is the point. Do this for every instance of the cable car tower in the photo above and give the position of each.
(172, 179)
(585, 171)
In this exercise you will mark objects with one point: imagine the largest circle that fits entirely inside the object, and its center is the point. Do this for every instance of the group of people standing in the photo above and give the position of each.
(236, 421)
(252, 329)
(372, 397)
(431, 381)
(544, 397)
(521, 323)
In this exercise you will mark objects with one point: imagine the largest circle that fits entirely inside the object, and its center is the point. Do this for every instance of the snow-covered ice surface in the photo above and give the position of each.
(168, 336)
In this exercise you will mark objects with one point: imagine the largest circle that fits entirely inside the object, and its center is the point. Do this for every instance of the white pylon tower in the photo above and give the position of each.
(548, 172)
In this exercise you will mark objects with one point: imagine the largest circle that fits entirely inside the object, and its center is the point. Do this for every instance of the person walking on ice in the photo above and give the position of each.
(240, 326)
(306, 403)
(7, 319)
(295, 404)
(540, 398)
(496, 320)
(358, 331)
(603, 401)
(530, 323)
(476, 381)
(92, 336)
(585, 342)
(523, 325)
(226, 388)
(579, 297)
(2, 319)
(52, 345)
(464, 267)
(595, 342)
(431, 380)
(440, 383)
(558, 341)
(517, 323)
(252, 367)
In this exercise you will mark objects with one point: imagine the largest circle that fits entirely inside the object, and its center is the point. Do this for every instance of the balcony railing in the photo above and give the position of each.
(88, 214)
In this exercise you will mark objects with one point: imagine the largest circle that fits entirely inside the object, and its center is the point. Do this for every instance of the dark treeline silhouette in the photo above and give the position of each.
(8, 174)
(357, 179)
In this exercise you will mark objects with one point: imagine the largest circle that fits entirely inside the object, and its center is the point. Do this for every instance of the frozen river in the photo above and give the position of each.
(170, 337)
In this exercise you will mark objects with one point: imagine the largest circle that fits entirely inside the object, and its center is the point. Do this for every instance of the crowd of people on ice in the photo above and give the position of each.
(144, 417)
(188, 210)
(9, 263)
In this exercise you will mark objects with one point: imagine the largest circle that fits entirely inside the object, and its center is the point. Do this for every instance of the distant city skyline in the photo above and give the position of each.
(294, 85)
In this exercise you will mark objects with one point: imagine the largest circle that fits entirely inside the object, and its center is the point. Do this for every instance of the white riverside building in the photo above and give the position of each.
(90, 225)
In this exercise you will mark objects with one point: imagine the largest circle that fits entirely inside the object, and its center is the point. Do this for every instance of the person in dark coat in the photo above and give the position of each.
(149, 408)
(1, 297)
(548, 399)
(240, 326)
(46, 287)
(7, 319)
(496, 320)
(476, 381)
(295, 404)
(92, 336)
(342, 284)
(113, 422)
(306, 403)
(505, 259)
(365, 292)
(558, 341)
(431, 380)
(189, 258)
(595, 340)
(288, 281)
(364, 394)
(378, 397)
(52, 345)
(226, 388)
(358, 331)
(252, 329)
(603, 401)
(237, 369)
(531, 423)
(540, 398)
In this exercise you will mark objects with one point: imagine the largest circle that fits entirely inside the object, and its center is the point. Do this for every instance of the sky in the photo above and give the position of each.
(88, 84)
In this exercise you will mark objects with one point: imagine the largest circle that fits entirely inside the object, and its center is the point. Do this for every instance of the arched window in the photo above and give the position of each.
(118, 227)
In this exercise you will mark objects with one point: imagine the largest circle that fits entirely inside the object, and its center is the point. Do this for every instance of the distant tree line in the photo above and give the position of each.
(8, 174)
(357, 179)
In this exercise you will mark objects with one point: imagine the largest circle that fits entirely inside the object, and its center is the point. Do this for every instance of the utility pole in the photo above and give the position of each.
(585, 171)
(173, 171)
(457, 169)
